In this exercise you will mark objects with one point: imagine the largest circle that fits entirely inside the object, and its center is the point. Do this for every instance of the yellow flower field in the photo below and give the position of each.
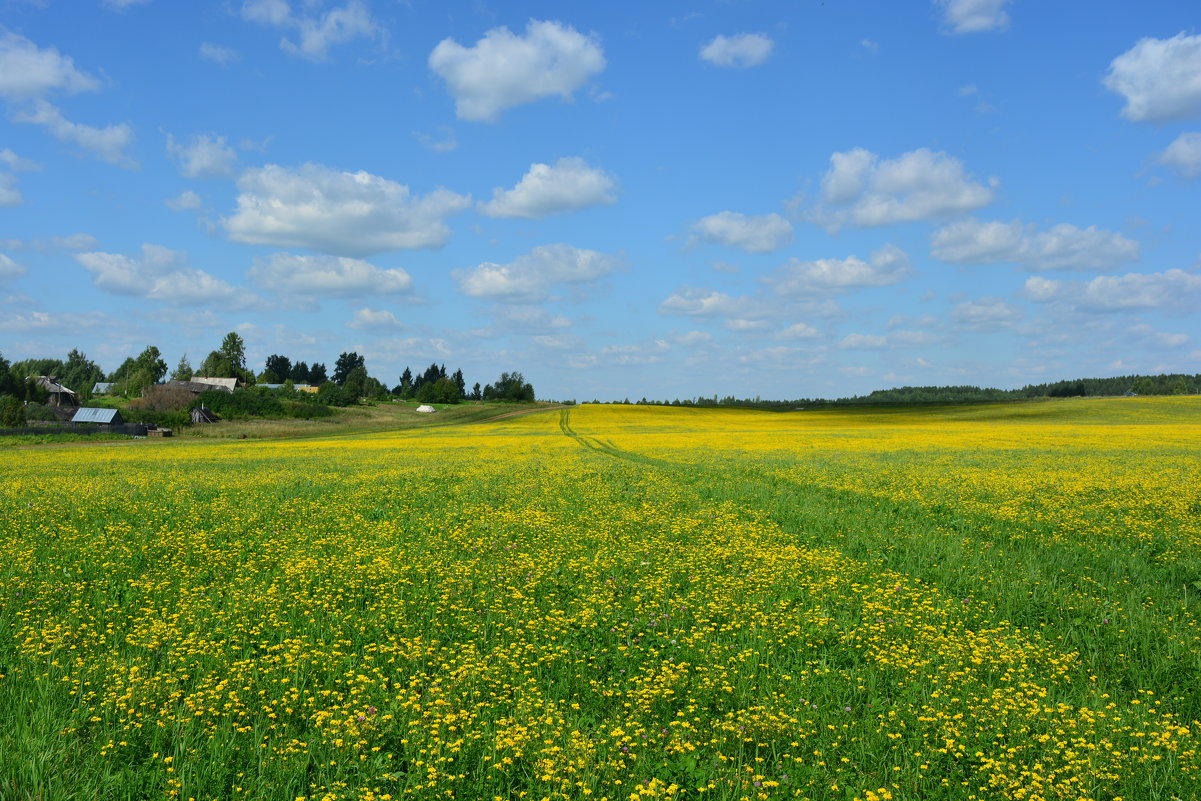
(615, 602)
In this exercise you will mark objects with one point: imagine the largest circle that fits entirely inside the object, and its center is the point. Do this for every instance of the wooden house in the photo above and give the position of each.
(59, 395)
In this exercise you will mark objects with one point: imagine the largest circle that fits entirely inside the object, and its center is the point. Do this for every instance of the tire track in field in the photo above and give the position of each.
(604, 446)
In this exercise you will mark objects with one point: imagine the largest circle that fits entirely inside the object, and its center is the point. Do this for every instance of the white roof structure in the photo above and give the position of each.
(224, 383)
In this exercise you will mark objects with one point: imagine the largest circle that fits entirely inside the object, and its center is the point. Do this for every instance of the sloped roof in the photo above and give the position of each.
(196, 386)
(52, 385)
(203, 415)
(225, 383)
(90, 415)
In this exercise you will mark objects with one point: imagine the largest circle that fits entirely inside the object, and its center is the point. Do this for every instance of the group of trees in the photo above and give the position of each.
(432, 386)
(435, 386)
(281, 369)
(140, 378)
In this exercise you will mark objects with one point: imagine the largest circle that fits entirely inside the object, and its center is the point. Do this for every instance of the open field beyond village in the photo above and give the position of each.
(615, 602)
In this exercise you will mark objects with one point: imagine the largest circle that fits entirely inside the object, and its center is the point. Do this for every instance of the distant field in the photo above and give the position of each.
(615, 602)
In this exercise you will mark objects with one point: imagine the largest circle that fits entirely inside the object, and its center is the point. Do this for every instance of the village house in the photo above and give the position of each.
(59, 395)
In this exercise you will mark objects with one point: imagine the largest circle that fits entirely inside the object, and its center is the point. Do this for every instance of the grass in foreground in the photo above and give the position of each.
(614, 602)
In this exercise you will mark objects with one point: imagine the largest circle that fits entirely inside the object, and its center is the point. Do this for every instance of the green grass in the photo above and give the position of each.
(989, 601)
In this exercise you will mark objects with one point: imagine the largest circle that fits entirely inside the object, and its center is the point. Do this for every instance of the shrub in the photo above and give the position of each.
(12, 412)
(162, 398)
(36, 411)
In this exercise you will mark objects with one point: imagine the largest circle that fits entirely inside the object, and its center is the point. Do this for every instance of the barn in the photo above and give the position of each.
(104, 417)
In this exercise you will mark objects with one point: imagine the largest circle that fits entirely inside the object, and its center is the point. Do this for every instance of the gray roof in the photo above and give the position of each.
(89, 415)
(195, 386)
(103, 387)
(52, 385)
(225, 383)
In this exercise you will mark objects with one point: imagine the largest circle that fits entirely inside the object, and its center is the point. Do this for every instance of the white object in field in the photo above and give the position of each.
(424, 409)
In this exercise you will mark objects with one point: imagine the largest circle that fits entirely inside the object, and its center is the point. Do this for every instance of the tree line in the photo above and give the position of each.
(1162, 384)
(140, 378)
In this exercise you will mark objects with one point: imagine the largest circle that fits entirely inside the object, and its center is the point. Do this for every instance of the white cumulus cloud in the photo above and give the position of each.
(740, 50)
(531, 277)
(754, 234)
(893, 340)
(316, 32)
(204, 157)
(503, 70)
(1060, 247)
(798, 331)
(867, 191)
(1172, 290)
(327, 276)
(107, 144)
(1184, 155)
(218, 54)
(15, 163)
(1160, 78)
(375, 320)
(28, 71)
(340, 213)
(700, 302)
(9, 268)
(974, 16)
(887, 266)
(9, 194)
(185, 201)
(545, 190)
(1159, 339)
(985, 314)
(159, 274)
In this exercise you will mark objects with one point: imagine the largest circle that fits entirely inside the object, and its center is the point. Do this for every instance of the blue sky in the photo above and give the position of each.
(783, 199)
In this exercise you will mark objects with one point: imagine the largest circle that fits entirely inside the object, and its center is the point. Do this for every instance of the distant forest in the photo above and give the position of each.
(1171, 384)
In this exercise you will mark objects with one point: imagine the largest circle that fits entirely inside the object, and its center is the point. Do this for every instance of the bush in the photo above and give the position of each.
(305, 411)
(240, 404)
(12, 412)
(270, 403)
(174, 418)
(36, 411)
(162, 398)
(333, 395)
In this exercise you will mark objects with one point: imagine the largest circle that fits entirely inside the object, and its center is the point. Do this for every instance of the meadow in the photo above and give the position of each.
(615, 602)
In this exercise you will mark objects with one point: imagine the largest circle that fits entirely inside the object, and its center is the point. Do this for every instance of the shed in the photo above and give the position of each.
(103, 387)
(106, 417)
(426, 409)
(203, 415)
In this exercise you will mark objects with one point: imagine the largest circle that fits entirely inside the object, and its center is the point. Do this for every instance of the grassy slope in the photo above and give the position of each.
(347, 421)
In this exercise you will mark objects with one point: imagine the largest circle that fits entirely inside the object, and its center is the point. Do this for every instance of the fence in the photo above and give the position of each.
(128, 429)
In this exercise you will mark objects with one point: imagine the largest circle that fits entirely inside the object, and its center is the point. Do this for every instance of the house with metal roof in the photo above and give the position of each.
(106, 417)
(103, 387)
